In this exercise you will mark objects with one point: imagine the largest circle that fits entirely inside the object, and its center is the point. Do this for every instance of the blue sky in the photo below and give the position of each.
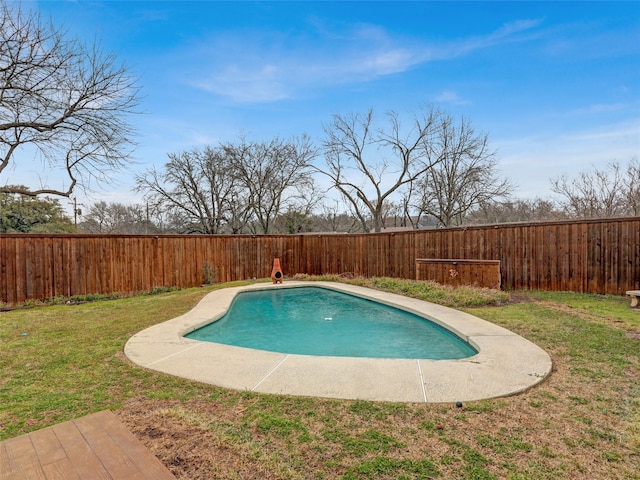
(556, 85)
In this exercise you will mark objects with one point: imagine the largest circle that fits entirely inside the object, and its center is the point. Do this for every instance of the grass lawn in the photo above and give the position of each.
(61, 362)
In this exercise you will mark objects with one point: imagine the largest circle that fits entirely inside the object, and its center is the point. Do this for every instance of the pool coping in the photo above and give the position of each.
(506, 363)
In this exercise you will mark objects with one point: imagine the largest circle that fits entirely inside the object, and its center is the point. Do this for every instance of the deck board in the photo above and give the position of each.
(61, 470)
(83, 459)
(97, 447)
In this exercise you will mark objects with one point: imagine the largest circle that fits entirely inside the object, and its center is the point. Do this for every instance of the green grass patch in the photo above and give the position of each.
(63, 361)
(369, 441)
(610, 309)
(385, 467)
(283, 427)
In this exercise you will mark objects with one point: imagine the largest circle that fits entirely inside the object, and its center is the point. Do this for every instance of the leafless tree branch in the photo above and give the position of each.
(67, 102)
(367, 167)
(608, 192)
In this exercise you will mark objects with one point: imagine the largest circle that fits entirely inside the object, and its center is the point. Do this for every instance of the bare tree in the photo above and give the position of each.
(368, 166)
(393, 215)
(66, 102)
(274, 175)
(516, 210)
(198, 187)
(413, 215)
(631, 183)
(463, 179)
(240, 218)
(235, 187)
(298, 216)
(597, 193)
(333, 219)
(114, 217)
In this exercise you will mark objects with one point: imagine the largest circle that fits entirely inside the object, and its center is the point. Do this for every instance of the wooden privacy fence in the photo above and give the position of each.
(458, 271)
(596, 256)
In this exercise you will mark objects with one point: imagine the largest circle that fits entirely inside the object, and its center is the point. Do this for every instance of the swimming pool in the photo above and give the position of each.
(505, 363)
(318, 321)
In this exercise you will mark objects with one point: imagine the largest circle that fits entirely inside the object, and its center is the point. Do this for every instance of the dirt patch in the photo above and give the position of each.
(518, 297)
(187, 446)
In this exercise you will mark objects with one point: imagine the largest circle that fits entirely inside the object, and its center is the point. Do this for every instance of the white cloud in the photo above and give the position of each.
(272, 66)
(512, 28)
(247, 84)
(627, 133)
(387, 62)
(599, 108)
(451, 97)
(507, 33)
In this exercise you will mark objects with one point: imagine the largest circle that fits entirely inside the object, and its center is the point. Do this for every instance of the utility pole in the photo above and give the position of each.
(76, 211)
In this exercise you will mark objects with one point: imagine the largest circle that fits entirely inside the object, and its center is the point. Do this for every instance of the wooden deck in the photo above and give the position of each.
(97, 446)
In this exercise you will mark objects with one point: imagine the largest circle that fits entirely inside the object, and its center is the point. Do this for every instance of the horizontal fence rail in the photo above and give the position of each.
(593, 256)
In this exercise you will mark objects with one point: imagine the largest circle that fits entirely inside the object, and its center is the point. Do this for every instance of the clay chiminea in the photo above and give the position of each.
(276, 273)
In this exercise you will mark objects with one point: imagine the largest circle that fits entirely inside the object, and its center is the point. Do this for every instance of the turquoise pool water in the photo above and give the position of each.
(319, 321)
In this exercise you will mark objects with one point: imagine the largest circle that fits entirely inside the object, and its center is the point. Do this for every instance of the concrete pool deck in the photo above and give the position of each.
(505, 365)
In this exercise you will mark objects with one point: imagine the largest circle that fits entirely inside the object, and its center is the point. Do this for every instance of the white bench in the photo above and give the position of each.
(635, 295)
